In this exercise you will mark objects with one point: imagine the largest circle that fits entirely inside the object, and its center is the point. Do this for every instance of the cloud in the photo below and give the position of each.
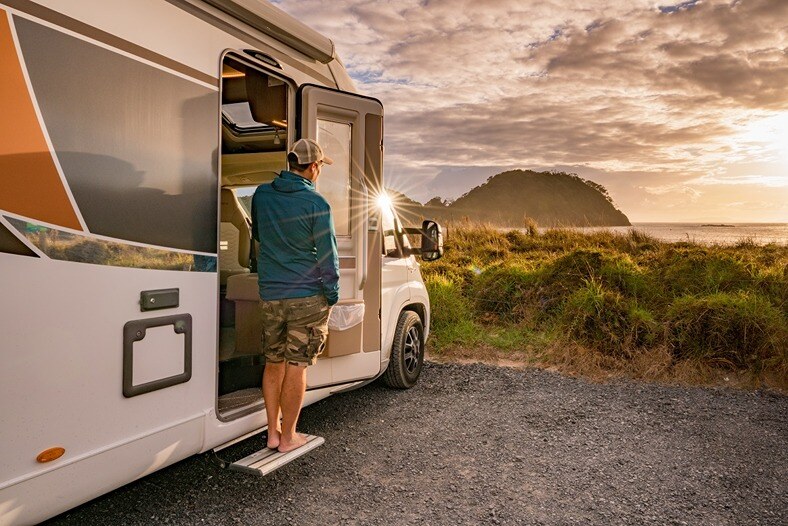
(473, 88)
(769, 181)
(674, 189)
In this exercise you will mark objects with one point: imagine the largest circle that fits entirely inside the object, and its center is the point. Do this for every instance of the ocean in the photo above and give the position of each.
(707, 233)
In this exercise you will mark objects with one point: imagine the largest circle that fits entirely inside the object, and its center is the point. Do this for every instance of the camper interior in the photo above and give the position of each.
(253, 150)
(256, 132)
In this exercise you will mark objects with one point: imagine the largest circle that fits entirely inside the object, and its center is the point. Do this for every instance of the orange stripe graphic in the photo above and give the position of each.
(29, 182)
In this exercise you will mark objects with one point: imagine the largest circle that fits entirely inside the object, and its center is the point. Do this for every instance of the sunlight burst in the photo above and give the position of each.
(384, 201)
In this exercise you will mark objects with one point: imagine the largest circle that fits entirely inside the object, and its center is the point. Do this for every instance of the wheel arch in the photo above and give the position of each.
(419, 309)
(423, 311)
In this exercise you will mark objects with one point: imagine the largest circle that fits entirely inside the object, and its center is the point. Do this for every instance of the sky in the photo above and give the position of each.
(679, 110)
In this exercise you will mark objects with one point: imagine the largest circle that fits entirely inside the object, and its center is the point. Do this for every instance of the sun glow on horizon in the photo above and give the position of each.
(766, 138)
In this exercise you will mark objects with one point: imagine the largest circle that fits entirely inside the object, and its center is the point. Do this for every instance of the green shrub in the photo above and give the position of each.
(567, 274)
(452, 317)
(774, 285)
(522, 241)
(606, 321)
(482, 243)
(698, 272)
(739, 330)
(516, 292)
(449, 271)
(503, 291)
(570, 273)
(621, 274)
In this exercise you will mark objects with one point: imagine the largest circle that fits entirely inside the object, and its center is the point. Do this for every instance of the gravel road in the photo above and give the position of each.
(477, 444)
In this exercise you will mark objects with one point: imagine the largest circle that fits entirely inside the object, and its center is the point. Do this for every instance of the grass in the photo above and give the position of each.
(607, 305)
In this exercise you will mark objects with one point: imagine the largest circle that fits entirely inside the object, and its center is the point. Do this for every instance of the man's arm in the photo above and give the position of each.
(327, 257)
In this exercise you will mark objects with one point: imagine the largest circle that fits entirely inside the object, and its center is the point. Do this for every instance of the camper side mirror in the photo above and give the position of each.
(431, 241)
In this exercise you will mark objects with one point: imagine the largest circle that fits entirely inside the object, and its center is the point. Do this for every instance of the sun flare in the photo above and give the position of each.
(384, 201)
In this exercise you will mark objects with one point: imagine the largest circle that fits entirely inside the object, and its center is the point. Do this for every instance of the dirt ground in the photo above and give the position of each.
(479, 444)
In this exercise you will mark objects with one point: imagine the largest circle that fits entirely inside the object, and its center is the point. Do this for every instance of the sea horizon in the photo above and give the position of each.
(707, 233)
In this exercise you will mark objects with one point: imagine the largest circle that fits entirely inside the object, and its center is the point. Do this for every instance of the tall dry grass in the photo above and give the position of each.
(605, 304)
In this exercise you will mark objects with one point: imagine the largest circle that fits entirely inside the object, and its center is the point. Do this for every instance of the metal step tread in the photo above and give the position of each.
(267, 460)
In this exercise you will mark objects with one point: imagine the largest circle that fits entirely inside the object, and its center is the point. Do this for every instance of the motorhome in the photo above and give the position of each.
(132, 137)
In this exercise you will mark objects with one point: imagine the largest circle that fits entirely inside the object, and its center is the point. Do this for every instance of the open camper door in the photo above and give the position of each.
(349, 128)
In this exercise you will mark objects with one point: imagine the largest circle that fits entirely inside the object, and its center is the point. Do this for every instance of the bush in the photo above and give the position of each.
(521, 242)
(504, 291)
(452, 316)
(565, 275)
(482, 243)
(570, 273)
(697, 272)
(449, 272)
(738, 330)
(774, 285)
(606, 321)
(513, 291)
(621, 274)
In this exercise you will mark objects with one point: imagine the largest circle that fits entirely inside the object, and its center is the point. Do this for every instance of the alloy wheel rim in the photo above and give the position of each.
(412, 350)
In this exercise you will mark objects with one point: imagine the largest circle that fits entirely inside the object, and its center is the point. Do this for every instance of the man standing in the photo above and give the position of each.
(298, 275)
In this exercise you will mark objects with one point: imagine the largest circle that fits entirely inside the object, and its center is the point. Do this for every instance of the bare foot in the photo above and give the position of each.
(286, 445)
(273, 438)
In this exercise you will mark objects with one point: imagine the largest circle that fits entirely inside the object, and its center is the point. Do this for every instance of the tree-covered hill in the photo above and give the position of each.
(549, 198)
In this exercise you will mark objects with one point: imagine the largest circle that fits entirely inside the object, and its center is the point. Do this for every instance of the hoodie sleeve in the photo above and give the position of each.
(327, 258)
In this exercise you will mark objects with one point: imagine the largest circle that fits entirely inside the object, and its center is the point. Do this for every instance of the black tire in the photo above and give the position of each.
(407, 352)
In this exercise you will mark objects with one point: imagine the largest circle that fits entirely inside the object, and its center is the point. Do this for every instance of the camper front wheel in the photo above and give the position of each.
(407, 352)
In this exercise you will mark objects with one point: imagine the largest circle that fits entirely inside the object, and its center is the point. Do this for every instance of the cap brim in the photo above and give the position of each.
(328, 160)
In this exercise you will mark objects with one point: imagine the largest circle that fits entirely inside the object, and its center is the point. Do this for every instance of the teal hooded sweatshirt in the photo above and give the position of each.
(298, 246)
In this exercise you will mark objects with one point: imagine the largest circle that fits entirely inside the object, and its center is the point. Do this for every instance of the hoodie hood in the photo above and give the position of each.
(289, 182)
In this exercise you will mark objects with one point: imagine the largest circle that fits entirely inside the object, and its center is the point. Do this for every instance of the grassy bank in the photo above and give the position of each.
(606, 305)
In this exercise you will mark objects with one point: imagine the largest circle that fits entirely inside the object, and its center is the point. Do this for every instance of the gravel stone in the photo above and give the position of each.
(477, 444)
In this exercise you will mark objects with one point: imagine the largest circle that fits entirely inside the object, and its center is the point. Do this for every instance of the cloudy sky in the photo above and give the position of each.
(680, 110)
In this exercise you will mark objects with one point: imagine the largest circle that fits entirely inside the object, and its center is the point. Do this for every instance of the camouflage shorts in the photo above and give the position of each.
(294, 329)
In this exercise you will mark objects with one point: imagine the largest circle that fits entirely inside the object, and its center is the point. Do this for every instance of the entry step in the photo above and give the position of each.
(267, 460)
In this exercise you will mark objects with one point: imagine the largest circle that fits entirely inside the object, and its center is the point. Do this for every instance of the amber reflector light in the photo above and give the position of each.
(50, 454)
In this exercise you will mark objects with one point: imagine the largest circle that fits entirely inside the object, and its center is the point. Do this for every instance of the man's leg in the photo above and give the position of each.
(307, 328)
(274, 342)
(291, 399)
(273, 378)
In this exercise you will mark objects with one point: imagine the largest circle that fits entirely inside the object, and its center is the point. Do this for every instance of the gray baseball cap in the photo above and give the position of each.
(308, 151)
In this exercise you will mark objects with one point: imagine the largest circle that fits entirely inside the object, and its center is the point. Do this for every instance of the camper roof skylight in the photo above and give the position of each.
(239, 116)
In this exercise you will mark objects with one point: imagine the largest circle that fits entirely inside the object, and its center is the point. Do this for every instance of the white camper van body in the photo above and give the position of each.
(123, 298)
